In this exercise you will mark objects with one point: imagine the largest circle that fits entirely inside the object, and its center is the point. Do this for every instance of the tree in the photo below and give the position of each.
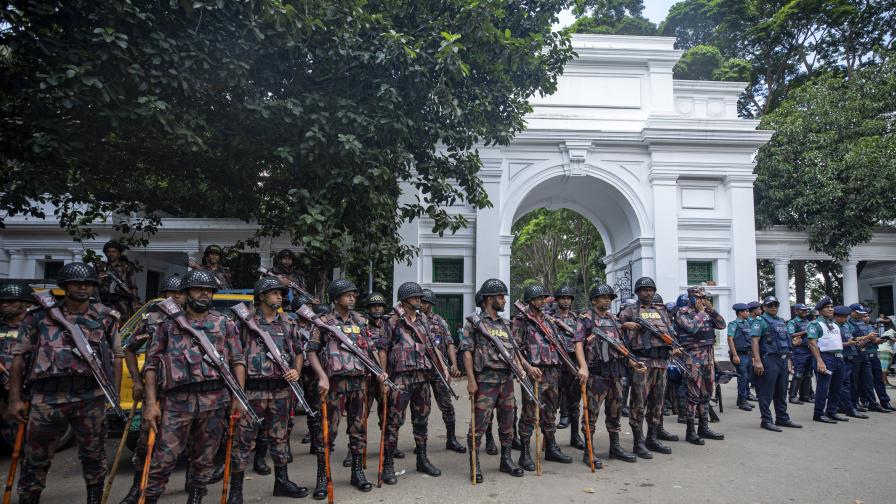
(834, 139)
(691, 22)
(614, 17)
(305, 117)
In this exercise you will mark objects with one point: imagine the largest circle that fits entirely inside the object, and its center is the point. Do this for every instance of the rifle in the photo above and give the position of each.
(84, 350)
(550, 335)
(289, 283)
(192, 264)
(16, 454)
(274, 353)
(120, 283)
(435, 356)
(347, 344)
(665, 338)
(620, 348)
(144, 476)
(4, 376)
(211, 355)
(507, 359)
(130, 327)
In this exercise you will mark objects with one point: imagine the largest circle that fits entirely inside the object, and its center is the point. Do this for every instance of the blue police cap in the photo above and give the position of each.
(740, 307)
(859, 308)
(753, 305)
(822, 303)
(800, 306)
(842, 310)
(670, 306)
(770, 300)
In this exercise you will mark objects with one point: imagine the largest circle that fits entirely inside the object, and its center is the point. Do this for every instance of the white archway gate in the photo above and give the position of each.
(662, 168)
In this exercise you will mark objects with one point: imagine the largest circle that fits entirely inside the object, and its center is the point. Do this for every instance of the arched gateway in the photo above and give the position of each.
(663, 168)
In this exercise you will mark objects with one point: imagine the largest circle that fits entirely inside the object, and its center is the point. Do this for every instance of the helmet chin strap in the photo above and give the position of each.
(198, 306)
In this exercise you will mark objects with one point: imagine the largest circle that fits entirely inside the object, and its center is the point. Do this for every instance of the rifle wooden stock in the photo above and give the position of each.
(144, 476)
(379, 472)
(433, 353)
(326, 447)
(588, 441)
(473, 447)
(227, 452)
(245, 315)
(114, 470)
(84, 350)
(14, 461)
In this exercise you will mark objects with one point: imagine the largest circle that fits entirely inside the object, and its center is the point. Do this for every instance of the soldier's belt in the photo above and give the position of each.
(203, 386)
(265, 384)
(64, 384)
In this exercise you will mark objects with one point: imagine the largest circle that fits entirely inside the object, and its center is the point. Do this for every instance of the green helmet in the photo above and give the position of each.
(534, 291)
(17, 292)
(339, 287)
(77, 272)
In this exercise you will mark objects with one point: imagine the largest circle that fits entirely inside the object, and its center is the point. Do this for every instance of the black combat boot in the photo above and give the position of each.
(320, 484)
(514, 443)
(663, 435)
(575, 438)
(34, 498)
(95, 493)
(617, 451)
(598, 463)
(794, 390)
(713, 417)
(347, 461)
(652, 443)
(359, 480)
(691, 435)
(259, 464)
(682, 410)
(552, 450)
(196, 495)
(235, 492)
(705, 432)
(389, 468)
(490, 447)
(624, 410)
(638, 445)
(423, 463)
(398, 454)
(478, 470)
(283, 487)
(451, 443)
(564, 420)
(507, 465)
(133, 495)
(525, 459)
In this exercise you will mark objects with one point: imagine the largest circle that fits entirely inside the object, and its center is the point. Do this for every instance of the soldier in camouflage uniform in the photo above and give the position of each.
(186, 399)
(267, 390)
(63, 389)
(648, 389)
(152, 322)
(285, 267)
(696, 326)
(212, 260)
(309, 376)
(348, 380)
(489, 379)
(403, 353)
(125, 302)
(603, 369)
(544, 357)
(441, 335)
(570, 396)
(14, 302)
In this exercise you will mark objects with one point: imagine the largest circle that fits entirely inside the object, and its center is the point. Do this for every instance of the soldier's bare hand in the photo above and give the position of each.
(758, 368)
(137, 390)
(472, 387)
(797, 340)
(676, 352)
(641, 369)
(583, 374)
(152, 415)
(535, 373)
(631, 326)
(455, 373)
(235, 407)
(323, 385)
(291, 376)
(18, 411)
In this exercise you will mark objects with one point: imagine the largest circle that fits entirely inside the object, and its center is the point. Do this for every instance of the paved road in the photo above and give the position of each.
(845, 464)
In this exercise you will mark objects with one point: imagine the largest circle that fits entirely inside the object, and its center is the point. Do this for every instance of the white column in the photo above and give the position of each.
(665, 230)
(17, 263)
(782, 287)
(489, 254)
(850, 281)
(410, 235)
(743, 278)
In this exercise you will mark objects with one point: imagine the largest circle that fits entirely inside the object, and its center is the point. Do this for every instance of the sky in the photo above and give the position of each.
(654, 10)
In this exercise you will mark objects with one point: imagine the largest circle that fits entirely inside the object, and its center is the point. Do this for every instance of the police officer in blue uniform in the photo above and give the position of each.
(826, 345)
(803, 362)
(850, 351)
(771, 351)
(862, 376)
(740, 345)
(871, 349)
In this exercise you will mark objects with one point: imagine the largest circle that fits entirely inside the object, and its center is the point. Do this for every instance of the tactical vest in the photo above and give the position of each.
(830, 340)
(801, 325)
(643, 340)
(600, 357)
(339, 362)
(775, 339)
(567, 340)
(54, 353)
(259, 365)
(742, 340)
(438, 332)
(864, 329)
(8, 336)
(705, 334)
(486, 356)
(407, 353)
(181, 362)
(535, 345)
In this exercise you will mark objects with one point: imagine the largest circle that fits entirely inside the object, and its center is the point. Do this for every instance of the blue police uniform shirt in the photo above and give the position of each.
(772, 334)
(740, 330)
(851, 350)
(798, 324)
(860, 328)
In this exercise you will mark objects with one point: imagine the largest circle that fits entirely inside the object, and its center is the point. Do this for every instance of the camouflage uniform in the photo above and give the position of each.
(648, 389)
(441, 338)
(8, 333)
(309, 382)
(570, 395)
(223, 274)
(267, 391)
(376, 329)
(193, 398)
(696, 332)
(540, 353)
(606, 369)
(493, 377)
(348, 378)
(293, 274)
(63, 391)
(141, 336)
(110, 292)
